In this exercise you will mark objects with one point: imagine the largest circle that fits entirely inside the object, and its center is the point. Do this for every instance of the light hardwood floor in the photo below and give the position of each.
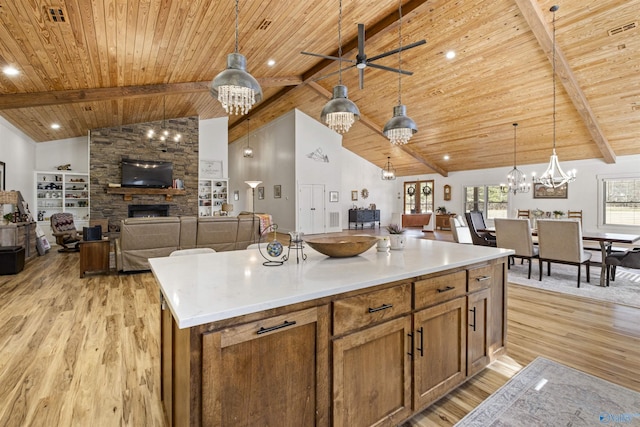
(79, 352)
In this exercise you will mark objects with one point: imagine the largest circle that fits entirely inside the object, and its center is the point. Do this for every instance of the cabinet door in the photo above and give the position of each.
(440, 350)
(498, 311)
(264, 373)
(477, 331)
(372, 376)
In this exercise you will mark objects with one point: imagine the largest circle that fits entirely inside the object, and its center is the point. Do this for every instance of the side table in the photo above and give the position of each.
(94, 256)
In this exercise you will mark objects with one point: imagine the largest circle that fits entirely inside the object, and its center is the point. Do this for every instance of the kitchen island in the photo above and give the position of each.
(354, 341)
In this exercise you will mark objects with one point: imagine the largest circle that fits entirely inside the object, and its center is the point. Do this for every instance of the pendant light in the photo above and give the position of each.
(388, 172)
(400, 128)
(235, 88)
(516, 179)
(554, 176)
(164, 134)
(248, 151)
(340, 112)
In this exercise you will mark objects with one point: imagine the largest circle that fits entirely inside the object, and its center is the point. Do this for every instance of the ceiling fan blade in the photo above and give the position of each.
(335, 58)
(332, 73)
(361, 74)
(395, 70)
(400, 49)
(361, 40)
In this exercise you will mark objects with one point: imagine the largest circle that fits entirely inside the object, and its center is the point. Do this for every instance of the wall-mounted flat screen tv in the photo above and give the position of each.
(147, 173)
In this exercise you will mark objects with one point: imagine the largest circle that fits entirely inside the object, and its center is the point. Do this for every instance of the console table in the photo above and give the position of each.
(360, 216)
(444, 221)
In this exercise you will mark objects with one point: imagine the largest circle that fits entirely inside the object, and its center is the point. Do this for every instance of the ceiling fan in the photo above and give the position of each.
(361, 62)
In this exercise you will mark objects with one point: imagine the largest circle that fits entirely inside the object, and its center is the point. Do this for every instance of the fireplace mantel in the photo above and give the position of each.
(129, 192)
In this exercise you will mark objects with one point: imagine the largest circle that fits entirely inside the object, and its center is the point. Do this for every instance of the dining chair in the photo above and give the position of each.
(628, 259)
(516, 234)
(460, 231)
(575, 215)
(475, 222)
(523, 213)
(560, 241)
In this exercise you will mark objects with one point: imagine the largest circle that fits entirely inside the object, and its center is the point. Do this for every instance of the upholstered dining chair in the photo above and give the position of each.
(560, 241)
(628, 259)
(64, 230)
(475, 222)
(516, 234)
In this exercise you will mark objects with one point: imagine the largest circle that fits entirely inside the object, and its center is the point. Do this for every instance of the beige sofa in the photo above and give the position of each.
(144, 238)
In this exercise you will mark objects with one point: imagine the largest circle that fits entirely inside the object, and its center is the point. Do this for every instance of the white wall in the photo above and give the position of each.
(73, 151)
(213, 141)
(18, 152)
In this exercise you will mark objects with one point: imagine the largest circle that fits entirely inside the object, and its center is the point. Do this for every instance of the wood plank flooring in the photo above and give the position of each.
(79, 352)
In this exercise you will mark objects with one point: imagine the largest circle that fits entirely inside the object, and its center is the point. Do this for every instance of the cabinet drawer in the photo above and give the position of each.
(439, 289)
(479, 278)
(370, 308)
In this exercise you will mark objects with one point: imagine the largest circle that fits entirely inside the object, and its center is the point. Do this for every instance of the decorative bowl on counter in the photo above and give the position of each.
(342, 246)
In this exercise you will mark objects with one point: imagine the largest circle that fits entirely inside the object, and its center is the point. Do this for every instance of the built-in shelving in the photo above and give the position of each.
(212, 194)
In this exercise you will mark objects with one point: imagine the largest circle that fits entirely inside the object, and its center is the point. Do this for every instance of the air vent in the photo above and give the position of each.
(264, 24)
(55, 14)
(87, 108)
(623, 28)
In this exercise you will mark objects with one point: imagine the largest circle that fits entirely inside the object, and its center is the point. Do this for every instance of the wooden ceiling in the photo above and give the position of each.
(108, 63)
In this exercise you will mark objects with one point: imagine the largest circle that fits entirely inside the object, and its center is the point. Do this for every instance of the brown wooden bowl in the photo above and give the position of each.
(341, 246)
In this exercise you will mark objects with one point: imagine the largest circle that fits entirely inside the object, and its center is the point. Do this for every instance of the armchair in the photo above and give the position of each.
(628, 259)
(64, 230)
(475, 221)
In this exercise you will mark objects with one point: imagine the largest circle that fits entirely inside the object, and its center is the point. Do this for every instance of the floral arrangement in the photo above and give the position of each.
(394, 229)
(558, 214)
(537, 213)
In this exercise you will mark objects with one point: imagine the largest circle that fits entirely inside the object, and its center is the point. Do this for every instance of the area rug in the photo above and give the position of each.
(624, 290)
(547, 393)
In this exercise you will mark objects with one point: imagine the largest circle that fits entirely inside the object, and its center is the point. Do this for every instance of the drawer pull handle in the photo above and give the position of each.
(264, 330)
(448, 288)
(482, 278)
(382, 307)
(473, 325)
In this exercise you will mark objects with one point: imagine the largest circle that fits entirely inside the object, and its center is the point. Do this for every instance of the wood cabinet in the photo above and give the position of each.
(444, 221)
(362, 358)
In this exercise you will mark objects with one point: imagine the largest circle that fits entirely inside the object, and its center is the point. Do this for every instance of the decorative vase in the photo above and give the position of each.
(383, 244)
(397, 242)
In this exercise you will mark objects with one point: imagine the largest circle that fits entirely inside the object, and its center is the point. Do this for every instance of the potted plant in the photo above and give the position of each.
(8, 218)
(396, 236)
(441, 210)
(558, 214)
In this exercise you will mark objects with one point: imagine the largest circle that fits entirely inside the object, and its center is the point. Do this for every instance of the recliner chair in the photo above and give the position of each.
(64, 230)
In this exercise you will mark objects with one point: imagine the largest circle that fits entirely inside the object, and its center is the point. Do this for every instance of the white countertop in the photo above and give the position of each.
(208, 287)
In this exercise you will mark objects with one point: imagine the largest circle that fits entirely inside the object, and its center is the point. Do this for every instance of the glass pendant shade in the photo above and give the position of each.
(247, 152)
(400, 128)
(235, 88)
(388, 173)
(340, 112)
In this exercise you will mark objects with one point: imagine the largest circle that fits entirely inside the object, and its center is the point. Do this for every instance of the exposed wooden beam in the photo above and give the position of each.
(375, 127)
(40, 99)
(535, 18)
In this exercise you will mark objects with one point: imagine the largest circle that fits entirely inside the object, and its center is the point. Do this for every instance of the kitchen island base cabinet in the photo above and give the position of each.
(271, 372)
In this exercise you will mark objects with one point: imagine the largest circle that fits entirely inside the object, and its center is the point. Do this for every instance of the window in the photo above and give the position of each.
(488, 199)
(621, 198)
(418, 197)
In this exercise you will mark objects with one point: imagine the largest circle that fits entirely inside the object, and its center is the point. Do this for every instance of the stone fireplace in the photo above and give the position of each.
(137, 211)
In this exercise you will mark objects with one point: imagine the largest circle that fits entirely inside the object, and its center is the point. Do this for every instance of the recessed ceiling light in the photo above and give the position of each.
(446, 157)
(450, 54)
(55, 126)
(11, 71)
(271, 63)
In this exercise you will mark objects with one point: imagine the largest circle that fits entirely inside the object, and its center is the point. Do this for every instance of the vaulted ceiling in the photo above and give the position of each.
(102, 63)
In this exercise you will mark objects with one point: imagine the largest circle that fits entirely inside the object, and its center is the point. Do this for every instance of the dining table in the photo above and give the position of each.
(604, 239)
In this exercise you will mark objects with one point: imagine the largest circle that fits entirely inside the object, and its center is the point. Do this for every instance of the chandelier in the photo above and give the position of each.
(248, 151)
(340, 112)
(235, 88)
(388, 173)
(554, 176)
(516, 179)
(164, 134)
(400, 128)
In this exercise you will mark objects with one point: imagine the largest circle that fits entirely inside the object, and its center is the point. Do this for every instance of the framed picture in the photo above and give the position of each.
(3, 183)
(236, 195)
(210, 169)
(260, 193)
(277, 191)
(542, 192)
(354, 195)
(333, 196)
